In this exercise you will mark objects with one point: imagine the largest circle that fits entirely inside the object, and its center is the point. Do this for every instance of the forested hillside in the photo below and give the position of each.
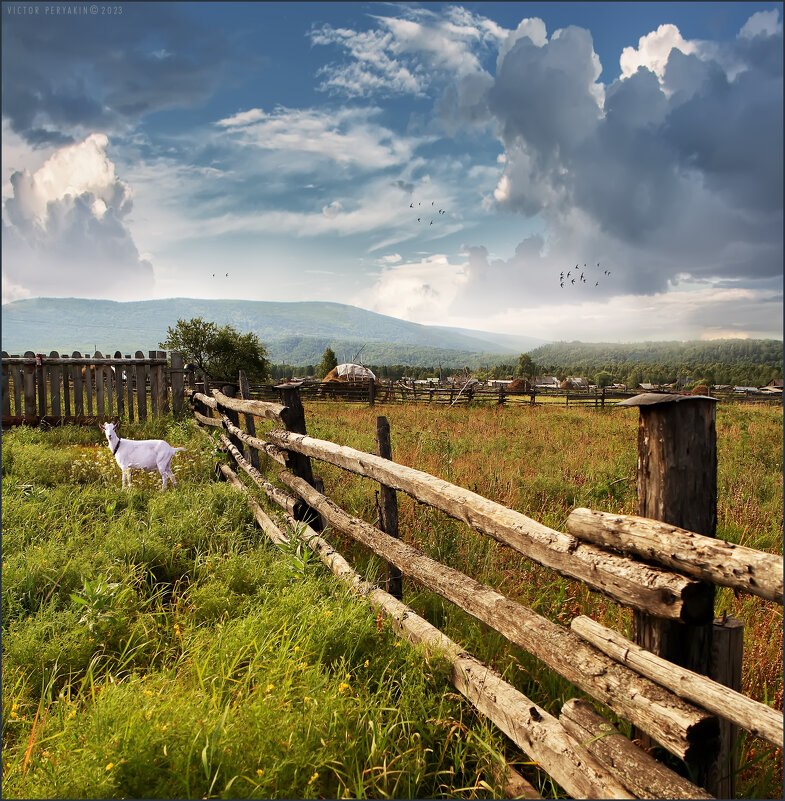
(720, 361)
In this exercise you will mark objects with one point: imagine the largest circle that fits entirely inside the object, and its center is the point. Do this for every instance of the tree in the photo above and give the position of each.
(328, 363)
(218, 352)
(603, 379)
(526, 367)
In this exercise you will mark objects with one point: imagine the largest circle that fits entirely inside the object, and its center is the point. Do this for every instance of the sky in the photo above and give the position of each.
(569, 171)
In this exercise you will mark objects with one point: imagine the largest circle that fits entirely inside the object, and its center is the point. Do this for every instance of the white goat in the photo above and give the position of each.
(145, 454)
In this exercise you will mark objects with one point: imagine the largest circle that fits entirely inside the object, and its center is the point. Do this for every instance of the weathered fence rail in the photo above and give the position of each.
(76, 388)
(659, 570)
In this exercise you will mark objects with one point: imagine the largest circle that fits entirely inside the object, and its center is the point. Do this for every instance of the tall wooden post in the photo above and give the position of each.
(250, 426)
(178, 383)
(230, 390)
(388, 506)
(300, 465)
(677, 484)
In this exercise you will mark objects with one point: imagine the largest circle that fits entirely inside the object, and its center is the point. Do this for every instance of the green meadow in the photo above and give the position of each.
(156, 645)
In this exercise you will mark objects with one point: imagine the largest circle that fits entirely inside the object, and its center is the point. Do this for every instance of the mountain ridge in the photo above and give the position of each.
(295, 332)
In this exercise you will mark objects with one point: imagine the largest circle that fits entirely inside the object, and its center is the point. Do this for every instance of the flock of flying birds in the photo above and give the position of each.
(571, 276)
(422, 214)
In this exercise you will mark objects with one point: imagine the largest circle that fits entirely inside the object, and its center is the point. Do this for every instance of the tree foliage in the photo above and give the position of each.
(329, 361)
(219, 352)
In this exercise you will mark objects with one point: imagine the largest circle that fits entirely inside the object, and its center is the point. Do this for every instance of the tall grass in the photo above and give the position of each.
(155, 645)
(544, 461)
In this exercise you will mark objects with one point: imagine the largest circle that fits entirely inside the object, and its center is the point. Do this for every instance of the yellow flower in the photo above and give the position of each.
(328, 613)
(110, 766)
(366, 663)
(313, 778)
(259, 771)
(343, 687)
(72, 714)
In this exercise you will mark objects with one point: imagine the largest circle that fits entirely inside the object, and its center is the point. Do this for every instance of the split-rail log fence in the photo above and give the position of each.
(659, 569)
(54, 389)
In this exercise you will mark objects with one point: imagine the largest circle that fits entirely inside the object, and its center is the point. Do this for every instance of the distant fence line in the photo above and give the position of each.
(460, 394)
(58, 388)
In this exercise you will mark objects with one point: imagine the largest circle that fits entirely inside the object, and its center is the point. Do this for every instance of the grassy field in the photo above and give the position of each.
(156, 646)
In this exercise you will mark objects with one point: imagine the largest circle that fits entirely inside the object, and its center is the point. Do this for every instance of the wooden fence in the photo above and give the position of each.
(58, 389)
(390, 392)
(664, 572)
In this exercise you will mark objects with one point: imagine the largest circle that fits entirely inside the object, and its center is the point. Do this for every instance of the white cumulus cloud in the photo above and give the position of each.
(63, 229)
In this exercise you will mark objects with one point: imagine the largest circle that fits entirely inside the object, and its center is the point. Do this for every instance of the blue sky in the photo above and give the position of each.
(592, 171)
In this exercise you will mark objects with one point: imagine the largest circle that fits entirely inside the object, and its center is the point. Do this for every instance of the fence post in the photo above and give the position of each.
(677, 484)
(300, 465)
(54, 384)
(371, 393)
(141, 388)
(250, 425)
(388, 506)
(129, 389)
(40, 377)
(7, 388)
(230, 390)
(119, 385)
(178, 383)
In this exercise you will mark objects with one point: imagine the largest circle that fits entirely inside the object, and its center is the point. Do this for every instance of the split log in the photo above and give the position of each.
(274, 453)
(656, 590)
(677, 725)
(513, 784)
(205, 399)
(294, 506)
(632, 766)
(207, 421)
(721, 562)
(538, 733)
(761, 720)
(271, 411)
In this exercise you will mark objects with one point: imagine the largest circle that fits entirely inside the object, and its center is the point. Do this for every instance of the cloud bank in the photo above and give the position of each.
(64, 230)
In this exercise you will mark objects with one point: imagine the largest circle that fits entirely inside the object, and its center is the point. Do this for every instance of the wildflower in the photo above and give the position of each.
(343, 687)
(110, 766)
(72, 714)
(259, 771)
(328, 613)
(313, 778)
(366, 663)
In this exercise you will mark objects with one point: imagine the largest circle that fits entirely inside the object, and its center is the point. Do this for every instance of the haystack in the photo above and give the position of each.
(518, 386)
(349, 372)
(701, 389)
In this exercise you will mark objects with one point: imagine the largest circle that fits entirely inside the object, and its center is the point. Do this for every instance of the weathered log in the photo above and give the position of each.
(538, 733)
(677, 725)
(271, 411)
(207, 421)
(513, 784)
(640, 586)
(761, 720)
(205, 399)
(274, 453)
(721, 562)
(632, 766)
(266, 524)
(294, 506)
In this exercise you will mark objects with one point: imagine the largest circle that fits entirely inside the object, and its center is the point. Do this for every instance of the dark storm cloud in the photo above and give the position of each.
(689, 167)
(66, 76)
